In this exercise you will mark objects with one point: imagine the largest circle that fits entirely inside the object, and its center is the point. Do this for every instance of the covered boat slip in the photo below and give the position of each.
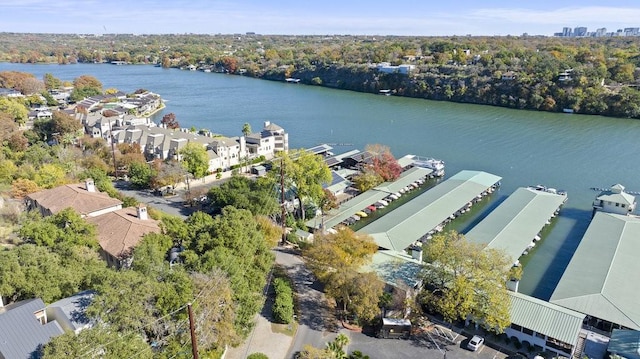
(358, 203)
(601, 278)
(516, 222)
(409, 222)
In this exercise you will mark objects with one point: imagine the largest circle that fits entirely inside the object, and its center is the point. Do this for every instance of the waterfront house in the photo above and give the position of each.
(84, 198)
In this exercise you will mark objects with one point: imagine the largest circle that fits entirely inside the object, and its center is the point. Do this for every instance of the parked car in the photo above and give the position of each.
(475, 343)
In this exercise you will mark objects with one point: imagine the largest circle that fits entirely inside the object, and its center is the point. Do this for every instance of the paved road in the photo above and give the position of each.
(427, 345)
(315, 327)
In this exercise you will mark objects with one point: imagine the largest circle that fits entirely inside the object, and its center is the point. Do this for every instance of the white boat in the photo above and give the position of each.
(394, 197)
(383, 202)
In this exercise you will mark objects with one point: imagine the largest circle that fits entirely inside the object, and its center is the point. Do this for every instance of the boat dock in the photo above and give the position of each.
(430, 211)
(515, 225)
(368, 198)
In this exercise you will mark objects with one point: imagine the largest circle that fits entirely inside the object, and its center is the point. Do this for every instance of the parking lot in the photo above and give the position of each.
(432, 344)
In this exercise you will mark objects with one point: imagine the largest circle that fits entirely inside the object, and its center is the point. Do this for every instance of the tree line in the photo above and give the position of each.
(517, 72)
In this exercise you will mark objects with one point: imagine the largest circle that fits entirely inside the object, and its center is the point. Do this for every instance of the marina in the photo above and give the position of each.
(524, 147)
(430, 211)
(514, 226)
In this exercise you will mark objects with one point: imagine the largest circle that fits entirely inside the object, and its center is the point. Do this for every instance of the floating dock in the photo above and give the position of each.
(514, 226)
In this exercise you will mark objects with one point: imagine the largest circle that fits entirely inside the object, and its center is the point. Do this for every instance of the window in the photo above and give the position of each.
(516, 327)
(622, 205)
(527, 331)
(617, 204)
(540, 335)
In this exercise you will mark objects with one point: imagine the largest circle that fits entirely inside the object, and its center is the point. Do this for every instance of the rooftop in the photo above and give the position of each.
(597, 280)
(22, 332)
(357, 203)
(75, 196)
(514, 224)
(546, 318)
(408, 223)
(121, 230)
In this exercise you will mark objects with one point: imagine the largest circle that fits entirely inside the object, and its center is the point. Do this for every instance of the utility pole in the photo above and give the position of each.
(192, 327)
(113, 151)
(283, 214)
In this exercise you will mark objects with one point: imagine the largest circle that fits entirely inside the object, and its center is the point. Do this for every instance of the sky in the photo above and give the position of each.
(326, 17)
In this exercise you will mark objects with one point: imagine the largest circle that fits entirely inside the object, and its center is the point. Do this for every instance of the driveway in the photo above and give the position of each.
(315, 325)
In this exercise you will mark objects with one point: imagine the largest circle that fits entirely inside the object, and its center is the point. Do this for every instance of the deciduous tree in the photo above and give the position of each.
(169, 120)
(464, 280)
(194, 159)
(304, 173)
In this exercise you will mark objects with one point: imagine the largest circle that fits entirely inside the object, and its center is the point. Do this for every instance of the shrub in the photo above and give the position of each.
(258, 356)
(283, 306)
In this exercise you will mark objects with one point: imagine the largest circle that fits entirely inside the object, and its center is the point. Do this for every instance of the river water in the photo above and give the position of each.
(570, 152)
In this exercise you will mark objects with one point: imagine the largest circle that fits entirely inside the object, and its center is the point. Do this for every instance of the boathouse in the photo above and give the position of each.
(356, 204)
(615, 200)
(514, 226)
(412, 221)
(545, 326)
(600, 278)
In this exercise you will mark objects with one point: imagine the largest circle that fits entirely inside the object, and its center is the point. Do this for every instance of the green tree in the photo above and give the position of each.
(194, 159)
(366, 180)
(244, 193)
(304, 174)
(463, 279)
(246, 129)
(50, 175)
(64, 228)
(233, 243)
(15, 109)
(140, 174)
(51, 82)
(97, 341)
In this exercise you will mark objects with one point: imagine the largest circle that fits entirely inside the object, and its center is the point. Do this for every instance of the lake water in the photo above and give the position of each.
(571, 152)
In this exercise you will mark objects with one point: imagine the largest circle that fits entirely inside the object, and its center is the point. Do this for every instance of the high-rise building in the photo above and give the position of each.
(580, 31)
(566, 32)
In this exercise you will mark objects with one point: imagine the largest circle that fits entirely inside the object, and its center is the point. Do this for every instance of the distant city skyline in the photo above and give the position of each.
(289, 17)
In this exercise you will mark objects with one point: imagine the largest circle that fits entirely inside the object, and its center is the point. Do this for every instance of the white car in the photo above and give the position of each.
(475, 343)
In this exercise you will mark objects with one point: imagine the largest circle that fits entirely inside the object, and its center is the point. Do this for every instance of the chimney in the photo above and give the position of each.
(142, 212)
(89, 185)
(267, 123)
(416, 253)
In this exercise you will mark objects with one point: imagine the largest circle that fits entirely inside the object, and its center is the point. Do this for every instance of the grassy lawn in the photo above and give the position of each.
(286, 329)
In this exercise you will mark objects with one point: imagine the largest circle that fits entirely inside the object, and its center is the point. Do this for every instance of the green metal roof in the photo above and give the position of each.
(513, 225)
(361, 201)
(545, 318)
(394, 267)
(408, 223)
(599, 280)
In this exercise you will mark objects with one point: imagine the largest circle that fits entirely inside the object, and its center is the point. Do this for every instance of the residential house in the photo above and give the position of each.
(24, 329)
(281, 137)
(84, 198)
(120, 231)
(70, 312)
